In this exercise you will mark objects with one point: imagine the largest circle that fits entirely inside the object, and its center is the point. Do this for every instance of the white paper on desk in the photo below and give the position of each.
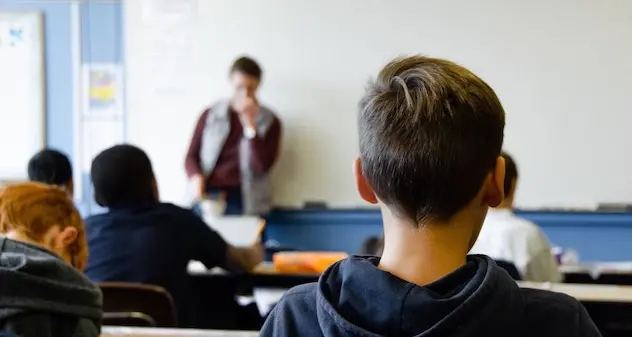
(239, 231)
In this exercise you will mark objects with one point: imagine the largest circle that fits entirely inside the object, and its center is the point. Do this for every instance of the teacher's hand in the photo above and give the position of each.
(199, 186)
(249, 109)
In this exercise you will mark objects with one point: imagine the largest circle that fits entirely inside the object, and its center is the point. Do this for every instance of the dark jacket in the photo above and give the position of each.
(42, 296)
(355, 298)
(151, 244)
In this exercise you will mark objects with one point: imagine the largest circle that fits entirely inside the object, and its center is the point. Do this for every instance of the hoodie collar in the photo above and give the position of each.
(357, 298)
(32, 278)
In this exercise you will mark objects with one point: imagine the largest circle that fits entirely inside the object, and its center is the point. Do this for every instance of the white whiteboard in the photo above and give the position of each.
(561, 68)
(22, 105)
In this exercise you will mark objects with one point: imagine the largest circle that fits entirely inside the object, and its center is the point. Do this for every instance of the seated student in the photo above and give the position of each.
(372, 246)
(506, 237)
(53, 168)
(142, 240)
(42, 252)
(430, 135)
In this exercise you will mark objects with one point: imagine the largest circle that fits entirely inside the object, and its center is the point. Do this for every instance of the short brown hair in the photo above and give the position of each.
(248, 66)
(31, 209)
(430, 131)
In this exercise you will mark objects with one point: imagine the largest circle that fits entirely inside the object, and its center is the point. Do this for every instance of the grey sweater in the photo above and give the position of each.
(41, 295)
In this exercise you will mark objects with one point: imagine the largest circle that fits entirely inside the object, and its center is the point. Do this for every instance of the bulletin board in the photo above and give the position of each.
(22, 91)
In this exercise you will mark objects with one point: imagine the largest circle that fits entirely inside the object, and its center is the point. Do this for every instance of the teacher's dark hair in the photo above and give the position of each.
(123, 175)
(430, 132)
(248, 66)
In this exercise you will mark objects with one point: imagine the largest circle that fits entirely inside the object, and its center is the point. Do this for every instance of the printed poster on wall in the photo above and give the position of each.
(103, 90)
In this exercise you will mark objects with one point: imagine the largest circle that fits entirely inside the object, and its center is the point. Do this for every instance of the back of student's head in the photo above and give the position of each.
(123, 176)
(430, 133)
(51, 167)
(44, 214)
(511, 174)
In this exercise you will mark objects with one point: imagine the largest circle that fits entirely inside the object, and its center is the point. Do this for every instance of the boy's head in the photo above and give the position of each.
(122, 176)
(53, 168)
(511, 180)
(44, 215)
(430, 136)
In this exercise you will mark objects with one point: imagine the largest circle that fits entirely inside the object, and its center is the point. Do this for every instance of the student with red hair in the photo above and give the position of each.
(43, 252)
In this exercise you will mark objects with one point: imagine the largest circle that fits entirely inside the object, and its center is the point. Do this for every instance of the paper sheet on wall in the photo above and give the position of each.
(168, 29)
(168, 11)
(103, 94)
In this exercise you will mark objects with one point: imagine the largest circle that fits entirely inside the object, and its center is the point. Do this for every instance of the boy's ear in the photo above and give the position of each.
(495, 191)
(58, 239)
(364, 189)
(68, 235)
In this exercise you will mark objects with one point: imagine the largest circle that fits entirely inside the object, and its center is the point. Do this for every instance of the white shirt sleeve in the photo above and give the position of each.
(541, 266)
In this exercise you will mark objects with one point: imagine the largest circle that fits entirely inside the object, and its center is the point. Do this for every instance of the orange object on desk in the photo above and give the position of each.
(305, 262)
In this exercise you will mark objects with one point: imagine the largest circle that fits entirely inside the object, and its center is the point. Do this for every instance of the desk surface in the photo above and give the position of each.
(109, 331)
(586, 292)
(597, 268)
(197, 268)
(624, 268)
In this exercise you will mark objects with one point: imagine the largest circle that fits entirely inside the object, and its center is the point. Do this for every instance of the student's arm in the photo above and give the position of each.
(211, 249)
(264, 149)
(542, 266)
(192, 161)
(244, 259)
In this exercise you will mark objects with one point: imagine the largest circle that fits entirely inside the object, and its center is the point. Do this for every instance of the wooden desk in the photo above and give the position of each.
(587, 292)
(267, 297)
(619, 273)
(605, 303)
(109, 331)
(609, 306)
(265, 275)
(266, 268)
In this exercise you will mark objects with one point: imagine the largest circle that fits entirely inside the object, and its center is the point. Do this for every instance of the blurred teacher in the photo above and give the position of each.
(234, 145)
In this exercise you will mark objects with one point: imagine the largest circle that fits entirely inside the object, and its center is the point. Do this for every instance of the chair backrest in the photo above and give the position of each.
(150, 300)
(510, 268)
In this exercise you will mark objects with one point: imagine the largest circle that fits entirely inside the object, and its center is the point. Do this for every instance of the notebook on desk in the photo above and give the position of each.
(239, 231)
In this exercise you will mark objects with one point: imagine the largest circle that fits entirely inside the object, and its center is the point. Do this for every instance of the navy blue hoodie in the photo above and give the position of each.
(355, 298)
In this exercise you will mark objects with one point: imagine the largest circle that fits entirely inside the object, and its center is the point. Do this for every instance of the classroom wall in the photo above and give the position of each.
(100, 29)
(559, 67)
(596, 236)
